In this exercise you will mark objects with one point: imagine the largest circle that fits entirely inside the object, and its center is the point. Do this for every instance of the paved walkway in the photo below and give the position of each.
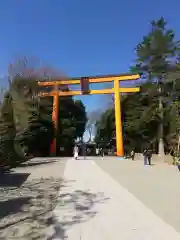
(155, 186)
(92, 205)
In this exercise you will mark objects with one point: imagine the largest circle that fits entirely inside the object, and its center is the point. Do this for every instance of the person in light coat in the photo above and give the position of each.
(76, 152)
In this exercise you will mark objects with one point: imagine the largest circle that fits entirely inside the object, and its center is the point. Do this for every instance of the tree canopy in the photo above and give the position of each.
(26, 127)
(140, 117)
(147, 116)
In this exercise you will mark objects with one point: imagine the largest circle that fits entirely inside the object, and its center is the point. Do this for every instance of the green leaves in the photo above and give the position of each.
(80, 118)
(158, 50)
(139, 116)
(71, 123)
(8, 155)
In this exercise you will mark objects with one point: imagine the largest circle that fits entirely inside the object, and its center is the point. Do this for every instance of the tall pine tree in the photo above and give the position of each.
(157, 55)
(8, 155)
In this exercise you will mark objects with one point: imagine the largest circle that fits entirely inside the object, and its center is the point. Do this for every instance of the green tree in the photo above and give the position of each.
(157, 55)
(140, 117)
(8, 155)
(32, 114)
(80, 118)
(71, 123)
(173, 110)
(34, 127)
(105, 128)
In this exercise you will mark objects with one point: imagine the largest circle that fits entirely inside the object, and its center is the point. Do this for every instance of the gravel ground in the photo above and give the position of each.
(156, 186)
(27, 198)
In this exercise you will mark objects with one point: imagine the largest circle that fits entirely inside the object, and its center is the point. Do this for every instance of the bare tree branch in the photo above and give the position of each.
(32, 67)
(93, 117)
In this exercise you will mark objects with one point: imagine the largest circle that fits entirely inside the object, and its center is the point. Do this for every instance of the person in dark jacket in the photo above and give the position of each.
(147, 153)
(145, 156)
(149, 156)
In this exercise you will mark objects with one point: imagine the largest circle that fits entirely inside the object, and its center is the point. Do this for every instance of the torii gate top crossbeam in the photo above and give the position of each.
(92, 79)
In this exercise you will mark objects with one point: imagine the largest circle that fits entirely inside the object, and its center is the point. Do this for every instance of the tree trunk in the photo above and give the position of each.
(161, 152)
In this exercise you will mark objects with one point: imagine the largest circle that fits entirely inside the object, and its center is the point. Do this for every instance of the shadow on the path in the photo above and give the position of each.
(32, 163)
(12, 206)
(28, 208)
(13, 179)
(76, 207)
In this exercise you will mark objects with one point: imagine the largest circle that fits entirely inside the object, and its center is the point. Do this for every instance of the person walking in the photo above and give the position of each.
(102, 153)
(132, 154)
(149, 156)
(147, 153)
(97, 151)
(145, 156)
(76, 152)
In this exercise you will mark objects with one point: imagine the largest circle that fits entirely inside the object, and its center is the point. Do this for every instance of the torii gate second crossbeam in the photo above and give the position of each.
(85, 90)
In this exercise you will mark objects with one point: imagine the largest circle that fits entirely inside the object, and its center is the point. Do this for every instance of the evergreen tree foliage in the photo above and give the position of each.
(158, 53)
(157, 57)
(140, 117)
(26, 126)
(80, 118)
(71, 123)
(8, 155)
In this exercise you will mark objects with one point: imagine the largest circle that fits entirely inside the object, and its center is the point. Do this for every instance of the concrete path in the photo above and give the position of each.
(155, 186)
(43, 168)
(92, 205)
(27, 198)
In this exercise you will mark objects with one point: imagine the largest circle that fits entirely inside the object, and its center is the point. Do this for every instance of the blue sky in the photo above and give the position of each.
(80, 37)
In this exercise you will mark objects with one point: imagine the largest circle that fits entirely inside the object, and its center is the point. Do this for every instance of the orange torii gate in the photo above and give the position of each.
(84, 82)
